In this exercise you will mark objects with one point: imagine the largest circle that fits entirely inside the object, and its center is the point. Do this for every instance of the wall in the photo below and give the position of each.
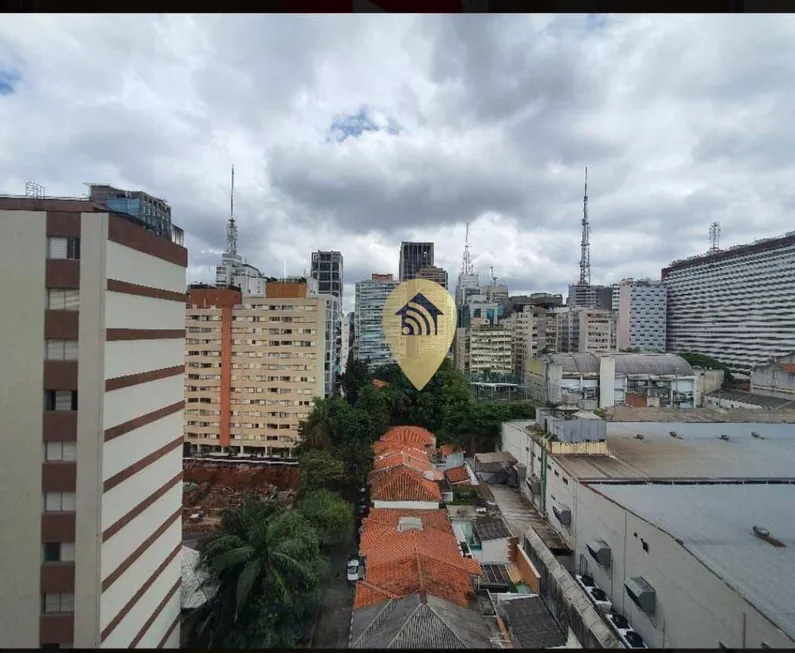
(22, 260)
(773, 380)
(694, 608)
(407, 505)
(607, 381)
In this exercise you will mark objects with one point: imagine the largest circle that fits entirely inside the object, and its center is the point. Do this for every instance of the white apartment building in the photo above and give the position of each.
(484, 348)
(371, 344)
(734, 305)
(253, 367)
(533, 331)
(585, 330)
(642, 308)
(92, 399)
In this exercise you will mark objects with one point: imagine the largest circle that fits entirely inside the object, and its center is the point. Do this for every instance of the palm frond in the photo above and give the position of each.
(245, 581)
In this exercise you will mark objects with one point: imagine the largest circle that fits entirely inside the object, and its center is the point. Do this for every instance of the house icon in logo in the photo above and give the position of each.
(419, 317)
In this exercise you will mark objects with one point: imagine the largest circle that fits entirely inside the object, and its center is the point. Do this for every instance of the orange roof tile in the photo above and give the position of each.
(378, 383)
(789, 367)
(403, 484)
(402, 457)
(413, 435)
(381, 447)
(447, 449)
(458, 475)
(401, 563)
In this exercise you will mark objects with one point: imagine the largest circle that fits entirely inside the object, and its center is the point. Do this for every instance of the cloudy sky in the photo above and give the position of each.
(357, 132)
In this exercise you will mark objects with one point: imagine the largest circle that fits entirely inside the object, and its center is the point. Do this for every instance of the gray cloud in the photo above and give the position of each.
(681, 120)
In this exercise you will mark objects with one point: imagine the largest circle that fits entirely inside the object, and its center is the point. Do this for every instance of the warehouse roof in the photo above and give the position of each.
(703, 415)
(715, 524)
(753, 399)
(626, 363)
(697, 452)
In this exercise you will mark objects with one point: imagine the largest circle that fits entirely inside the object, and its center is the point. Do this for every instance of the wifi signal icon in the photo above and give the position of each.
(419, 317)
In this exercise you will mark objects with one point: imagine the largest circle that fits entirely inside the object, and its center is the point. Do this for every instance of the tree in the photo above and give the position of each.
(355, 377)
(319, 469)
(708, 363)
(268, 570)
(375, 402)
(317, 431)
(329, 514)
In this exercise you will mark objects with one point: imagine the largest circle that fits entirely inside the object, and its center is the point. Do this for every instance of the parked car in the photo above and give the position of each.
(354, 569)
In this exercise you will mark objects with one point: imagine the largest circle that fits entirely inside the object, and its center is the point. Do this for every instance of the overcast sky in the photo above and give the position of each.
(357, 132)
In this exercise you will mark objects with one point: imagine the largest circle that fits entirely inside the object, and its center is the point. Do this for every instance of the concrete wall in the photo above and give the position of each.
(407, 505)
(22, 261)
(773, 380)
(694, 608)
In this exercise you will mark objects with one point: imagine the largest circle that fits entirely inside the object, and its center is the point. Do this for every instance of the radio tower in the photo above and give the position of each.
(714, 237)
(585, 243)
(466, 265)
(231, 227)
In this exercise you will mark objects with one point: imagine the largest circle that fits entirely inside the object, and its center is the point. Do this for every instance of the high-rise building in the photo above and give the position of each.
(327, 269)
(439, 275)
(152, 213)
(641, 313)
(533, 331)
(92, 403)
(371, 344)
(253, 368)
(734, 305)
(585, 330)
(589, 296)
(483, 349)
(414, 257)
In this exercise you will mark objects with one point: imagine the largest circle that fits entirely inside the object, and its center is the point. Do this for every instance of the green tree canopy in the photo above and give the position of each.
(708, 363)
(329, 514)
(319, 469)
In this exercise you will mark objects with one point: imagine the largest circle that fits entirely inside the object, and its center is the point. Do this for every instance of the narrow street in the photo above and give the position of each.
(333, 625)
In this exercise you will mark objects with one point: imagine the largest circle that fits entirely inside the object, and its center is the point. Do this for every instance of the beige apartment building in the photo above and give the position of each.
(597, 330)
(533, 331)
(483, 348)
(91, 397)
(254, 369)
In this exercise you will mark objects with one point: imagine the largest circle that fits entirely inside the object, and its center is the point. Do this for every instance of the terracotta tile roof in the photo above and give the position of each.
(789, 367)
(403, 484)
(401, 563)
(458, 475)
(413, 435)
(447, 449)
(394, 457)
(390, 448)
(378, 383)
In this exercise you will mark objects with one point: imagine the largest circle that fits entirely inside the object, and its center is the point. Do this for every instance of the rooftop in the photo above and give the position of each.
(193, 593)
(531, 623)
(458, 475)
(697, 452)
(399, 563)
(714, 523)
(758, 246)
(763, 401)
(411, 435)
(491, 528)
(692, 415)
(411, 622)
(403, 484)
(626, 363)
(403, 456)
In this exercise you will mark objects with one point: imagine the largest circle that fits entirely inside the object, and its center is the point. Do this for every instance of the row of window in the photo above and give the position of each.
(63, 248)
(63, 299)
(60, 400)
(58, 552)
(59, 501)
(60, 350)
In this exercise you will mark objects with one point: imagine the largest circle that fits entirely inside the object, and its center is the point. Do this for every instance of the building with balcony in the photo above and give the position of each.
(734, 305)
(438, 275)
(253, 367)
(93, 402)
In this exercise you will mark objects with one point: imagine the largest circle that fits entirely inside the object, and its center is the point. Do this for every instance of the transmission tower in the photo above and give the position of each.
(585, 243)
(714, 237)
(32, 189)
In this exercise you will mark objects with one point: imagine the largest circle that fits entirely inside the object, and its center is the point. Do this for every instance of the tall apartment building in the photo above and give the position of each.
(642, 308)
(585, 330)
(439, 275)
(152, 213)
(590, 296)
(92, 399)
(253, 367)
(371, 344)
(533, 331)
(734, 305)
(327, 269)
(483, 348)
(414, 257)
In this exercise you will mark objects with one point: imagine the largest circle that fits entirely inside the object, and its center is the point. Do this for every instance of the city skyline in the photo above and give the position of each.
(335, 155)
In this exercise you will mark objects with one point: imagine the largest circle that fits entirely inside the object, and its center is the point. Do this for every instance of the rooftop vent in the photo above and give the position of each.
(639, 436)
(764, 534)
(672, 433)
(409, 524)
(756, 435)
(641, 593)
(563, 514)
(725, 437)
(600, 551)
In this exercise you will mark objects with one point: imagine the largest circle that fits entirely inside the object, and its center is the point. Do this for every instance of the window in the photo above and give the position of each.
(60, 299)
(59, 552)
(60, 400)
(61, 248)
(60, 451)
(58, 602)
(61, 350)
(59, 501)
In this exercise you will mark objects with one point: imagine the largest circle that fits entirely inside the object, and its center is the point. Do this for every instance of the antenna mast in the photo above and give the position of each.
(714, 238)
(231, 228)
(493, 278)
(466, 266)
(585, 242)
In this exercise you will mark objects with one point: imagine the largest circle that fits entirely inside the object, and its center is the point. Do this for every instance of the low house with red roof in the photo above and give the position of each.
(458, 476)
(415, 436)
(402, 487)
(450, 455)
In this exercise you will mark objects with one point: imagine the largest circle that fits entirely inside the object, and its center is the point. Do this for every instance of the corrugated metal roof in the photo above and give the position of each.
(532, 624)
(412, 623)
(626, 363)
(697, 452)
(714, 523)
(192, 593)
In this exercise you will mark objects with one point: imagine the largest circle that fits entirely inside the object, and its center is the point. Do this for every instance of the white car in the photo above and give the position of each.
(354, 567)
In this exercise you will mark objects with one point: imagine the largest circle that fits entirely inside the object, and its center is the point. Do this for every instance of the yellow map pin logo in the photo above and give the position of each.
(419, 321)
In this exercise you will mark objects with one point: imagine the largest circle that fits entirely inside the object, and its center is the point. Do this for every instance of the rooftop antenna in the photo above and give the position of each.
(714, 238)
(32, 189)
(231, 228)
(585, 242)
(493, 278)
(466, 266)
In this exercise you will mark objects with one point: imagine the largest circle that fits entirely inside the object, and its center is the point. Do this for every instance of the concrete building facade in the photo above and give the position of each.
(734, 305)
(585, 330)
(253, 369)
(484, 349)
(776, 378)
(327, 270)
(413, 258)
(92, 528)
(371, 344)
(589, 296)
(439, 275)
(642, 310)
